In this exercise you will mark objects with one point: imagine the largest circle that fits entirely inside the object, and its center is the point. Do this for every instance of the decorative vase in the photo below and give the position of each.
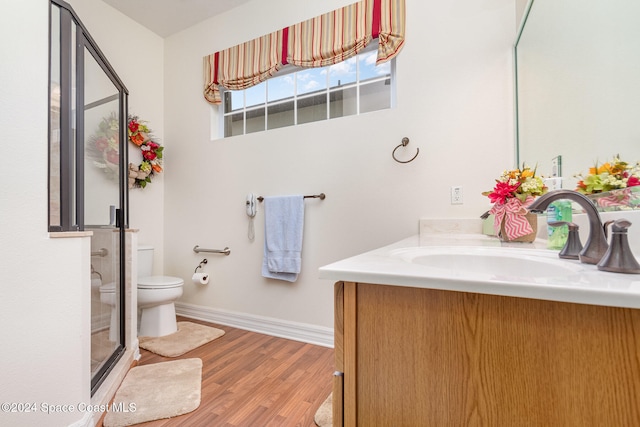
(528, 238)
(512, 220)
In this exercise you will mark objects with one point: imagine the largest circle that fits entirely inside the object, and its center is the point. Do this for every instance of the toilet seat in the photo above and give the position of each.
(150, 282)
(159, 282)
(108, 288)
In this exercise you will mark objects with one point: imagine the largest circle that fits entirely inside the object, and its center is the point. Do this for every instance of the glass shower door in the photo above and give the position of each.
(87, 181)
(102, 205)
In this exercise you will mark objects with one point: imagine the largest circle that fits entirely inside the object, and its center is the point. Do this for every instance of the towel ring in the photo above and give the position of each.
(404, 143)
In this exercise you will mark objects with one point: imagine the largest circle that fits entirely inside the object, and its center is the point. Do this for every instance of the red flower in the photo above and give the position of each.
(153, 145)
(112, 157)
(133, 126)
(633, 181)
(149, 155)
(102, 143)
(502, 191)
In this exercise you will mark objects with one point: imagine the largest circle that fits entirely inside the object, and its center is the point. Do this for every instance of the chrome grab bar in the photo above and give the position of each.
(101, 252)
(226, 251)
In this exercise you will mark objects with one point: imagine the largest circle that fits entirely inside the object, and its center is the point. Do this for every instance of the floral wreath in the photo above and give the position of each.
(103, 148)
(140, 134)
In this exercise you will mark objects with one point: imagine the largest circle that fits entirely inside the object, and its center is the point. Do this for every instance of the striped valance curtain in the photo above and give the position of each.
(317, 42)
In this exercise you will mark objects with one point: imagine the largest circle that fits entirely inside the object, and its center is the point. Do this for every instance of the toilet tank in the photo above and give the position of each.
(145, 260)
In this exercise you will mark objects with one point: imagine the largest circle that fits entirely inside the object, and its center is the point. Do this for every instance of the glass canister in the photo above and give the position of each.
(560, 210)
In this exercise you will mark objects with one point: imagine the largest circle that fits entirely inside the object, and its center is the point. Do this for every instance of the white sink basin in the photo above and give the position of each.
(459, 261)
(479, 265)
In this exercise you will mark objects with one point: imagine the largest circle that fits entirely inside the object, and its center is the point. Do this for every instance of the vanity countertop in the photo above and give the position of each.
(400, 264)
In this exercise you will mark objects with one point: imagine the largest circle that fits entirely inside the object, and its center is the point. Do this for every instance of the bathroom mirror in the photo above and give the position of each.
(578, 84)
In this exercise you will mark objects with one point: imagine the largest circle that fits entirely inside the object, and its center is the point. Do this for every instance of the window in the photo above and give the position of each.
(304, 95)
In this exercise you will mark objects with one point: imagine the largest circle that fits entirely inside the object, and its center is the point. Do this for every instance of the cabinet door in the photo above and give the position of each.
(345, 393)
(338, 346)
(429, 357)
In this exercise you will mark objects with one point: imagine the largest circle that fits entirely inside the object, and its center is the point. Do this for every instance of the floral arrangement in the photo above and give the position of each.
(104, 145)
(612, 185)
(140, 134)
(522, 184)
(514, 191)
(613, 175)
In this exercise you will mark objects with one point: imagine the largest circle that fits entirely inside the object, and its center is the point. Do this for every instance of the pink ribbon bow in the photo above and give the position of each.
(617, 198)
(513, 213)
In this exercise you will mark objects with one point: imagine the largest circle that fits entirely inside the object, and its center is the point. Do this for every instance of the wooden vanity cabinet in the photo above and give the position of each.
(423, 357)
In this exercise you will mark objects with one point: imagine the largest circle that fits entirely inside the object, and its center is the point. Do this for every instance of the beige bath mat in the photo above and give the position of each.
(157, 391)
(189, 336)
(324, 414)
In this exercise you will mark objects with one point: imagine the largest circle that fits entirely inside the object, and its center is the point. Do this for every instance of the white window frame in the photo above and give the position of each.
(289, 69)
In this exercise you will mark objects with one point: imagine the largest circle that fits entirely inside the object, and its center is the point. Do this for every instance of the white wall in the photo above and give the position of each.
(455, 102)
(45, 333)
(136, 54)
(521, 7)
(44, 309)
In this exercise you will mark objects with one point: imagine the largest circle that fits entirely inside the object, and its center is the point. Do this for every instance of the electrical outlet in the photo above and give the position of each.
(556, 166)
(456, 195)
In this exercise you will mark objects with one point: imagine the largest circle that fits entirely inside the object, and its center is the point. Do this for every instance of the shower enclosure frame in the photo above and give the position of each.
(67, 158)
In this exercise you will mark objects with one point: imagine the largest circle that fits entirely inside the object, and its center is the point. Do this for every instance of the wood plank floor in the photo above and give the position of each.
(254, 380)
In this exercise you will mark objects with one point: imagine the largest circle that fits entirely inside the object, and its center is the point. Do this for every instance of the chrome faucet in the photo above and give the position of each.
(596, 245)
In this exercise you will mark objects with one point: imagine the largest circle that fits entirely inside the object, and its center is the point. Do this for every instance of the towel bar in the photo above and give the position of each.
(225, 251)
(404, 143)
(100, 252)
(320, 196)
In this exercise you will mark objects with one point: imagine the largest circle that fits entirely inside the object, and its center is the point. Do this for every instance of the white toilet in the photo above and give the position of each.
(156, 296)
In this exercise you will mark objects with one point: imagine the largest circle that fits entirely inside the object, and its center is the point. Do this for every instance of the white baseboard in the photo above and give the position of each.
(136, 351)
(303, 332)
(100, 322)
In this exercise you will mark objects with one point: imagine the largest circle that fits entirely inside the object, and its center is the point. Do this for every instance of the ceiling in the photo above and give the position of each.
(167, 17)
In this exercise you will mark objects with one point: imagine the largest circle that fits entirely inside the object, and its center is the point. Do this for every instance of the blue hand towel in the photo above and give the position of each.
(283, 226)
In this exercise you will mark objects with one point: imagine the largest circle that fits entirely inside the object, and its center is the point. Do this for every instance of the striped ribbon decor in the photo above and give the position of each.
(617, 198)
(392, 28)
(324, 40)
(333, 37)
(513, 214)
(243, 65)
